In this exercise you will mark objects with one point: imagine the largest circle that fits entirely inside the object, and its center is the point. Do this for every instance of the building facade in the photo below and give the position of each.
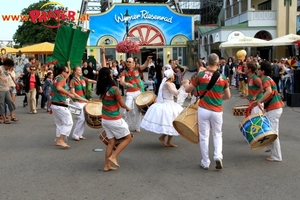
(160, 31)
(263, 19)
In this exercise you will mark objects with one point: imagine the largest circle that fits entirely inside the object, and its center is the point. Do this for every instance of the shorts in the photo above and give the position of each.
(13, 90)
(115, 128)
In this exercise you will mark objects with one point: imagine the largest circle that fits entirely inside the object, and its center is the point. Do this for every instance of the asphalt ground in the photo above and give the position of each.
(33, 168)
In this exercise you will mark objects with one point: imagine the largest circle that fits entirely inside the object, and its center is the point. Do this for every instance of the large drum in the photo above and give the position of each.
(186, 124)
(240, 110)
(93, 114)
(145, 100)
(104, 139)
(258, 131)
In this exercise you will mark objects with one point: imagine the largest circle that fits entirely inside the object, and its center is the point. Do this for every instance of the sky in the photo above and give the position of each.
(16, 6)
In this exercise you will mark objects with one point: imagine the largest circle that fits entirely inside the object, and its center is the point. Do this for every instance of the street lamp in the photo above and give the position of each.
(127, 22)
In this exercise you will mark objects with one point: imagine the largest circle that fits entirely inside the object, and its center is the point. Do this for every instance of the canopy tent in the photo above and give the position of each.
(285, 40)
(9, 50)
(245, 42)
(41, 48)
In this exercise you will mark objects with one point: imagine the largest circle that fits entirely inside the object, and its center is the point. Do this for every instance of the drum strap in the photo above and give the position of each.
(211, 83)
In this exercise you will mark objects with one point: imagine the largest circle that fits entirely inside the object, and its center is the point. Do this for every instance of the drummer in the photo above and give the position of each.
(255, 87)
(112, 121)
(273, 107)
(131, 80)
(78, 88)
(62, 116)
(210, 111)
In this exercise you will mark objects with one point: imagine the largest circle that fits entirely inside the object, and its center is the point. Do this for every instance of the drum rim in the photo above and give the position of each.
(254, 141)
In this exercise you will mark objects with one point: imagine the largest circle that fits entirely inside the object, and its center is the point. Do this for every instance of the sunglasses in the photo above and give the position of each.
(66, 72)
(128, 61)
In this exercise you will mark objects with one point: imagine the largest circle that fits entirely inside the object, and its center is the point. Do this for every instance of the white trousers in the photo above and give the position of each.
(210, 121)
(63, 120)
(79, 127)
(130, 102)
(273, 116)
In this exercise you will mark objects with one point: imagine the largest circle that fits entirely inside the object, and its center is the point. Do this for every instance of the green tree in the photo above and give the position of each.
(31, 33)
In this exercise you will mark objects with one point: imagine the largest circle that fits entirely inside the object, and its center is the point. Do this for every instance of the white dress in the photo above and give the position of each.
(160, 116)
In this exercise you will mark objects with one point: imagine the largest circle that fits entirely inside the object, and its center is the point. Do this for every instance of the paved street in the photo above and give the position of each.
(33, 168)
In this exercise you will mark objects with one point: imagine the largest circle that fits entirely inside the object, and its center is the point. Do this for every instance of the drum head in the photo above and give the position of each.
(263, 140)
(145, 98)
(94, 108)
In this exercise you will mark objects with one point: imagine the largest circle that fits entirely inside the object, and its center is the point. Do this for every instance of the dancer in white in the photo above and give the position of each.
(160, 115)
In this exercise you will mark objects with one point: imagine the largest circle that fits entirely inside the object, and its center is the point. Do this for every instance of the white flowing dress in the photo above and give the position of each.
(160, 116)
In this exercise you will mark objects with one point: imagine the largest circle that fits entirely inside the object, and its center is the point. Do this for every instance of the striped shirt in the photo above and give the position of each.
(212, 100)
(254, 84)
(111, 107)
(276, 101)
(132, 77)
(79, 85)
(55, 95)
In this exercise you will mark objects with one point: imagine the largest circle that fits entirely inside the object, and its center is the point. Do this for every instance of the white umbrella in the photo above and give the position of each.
(285, 40)
(245, 42)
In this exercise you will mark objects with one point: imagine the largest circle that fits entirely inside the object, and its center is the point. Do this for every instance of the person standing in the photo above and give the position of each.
(62, 115)
(26, 71)
(158, 74)
(210, 110)
(5, 96)
(78, 88)
(88, 72)
(131, 80)
(272, 105)
(160, 116)
(112, 121)
(255, 87)
(32, 88)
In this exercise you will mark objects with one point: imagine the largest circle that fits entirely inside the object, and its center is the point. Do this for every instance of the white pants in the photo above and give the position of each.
(130, 102)
(79, 127)
(256, 109)
(273, 116)
(63, 120)
(210, 120)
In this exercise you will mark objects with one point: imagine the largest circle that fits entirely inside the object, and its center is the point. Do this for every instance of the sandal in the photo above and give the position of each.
(6, 122)
(14, 119)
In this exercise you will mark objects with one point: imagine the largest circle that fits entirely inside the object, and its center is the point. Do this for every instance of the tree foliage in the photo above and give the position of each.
(32, 33)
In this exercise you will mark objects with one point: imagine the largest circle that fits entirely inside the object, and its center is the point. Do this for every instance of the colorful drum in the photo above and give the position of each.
(258, 131)
(240, 110)
(104, 139)
(186, 124)
(145, 100)
(93, 114)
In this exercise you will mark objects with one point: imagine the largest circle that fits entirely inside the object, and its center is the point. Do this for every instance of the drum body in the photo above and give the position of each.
(93, 114)
(240, 110)
(145, 100)
(186, 124)
(258, 131)
(104, 139)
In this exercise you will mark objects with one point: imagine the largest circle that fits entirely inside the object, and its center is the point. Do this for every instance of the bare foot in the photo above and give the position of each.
(172, 145)
(138, 130)
(113, 160)
(64, 145)
(161, 139)
(109, 168)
